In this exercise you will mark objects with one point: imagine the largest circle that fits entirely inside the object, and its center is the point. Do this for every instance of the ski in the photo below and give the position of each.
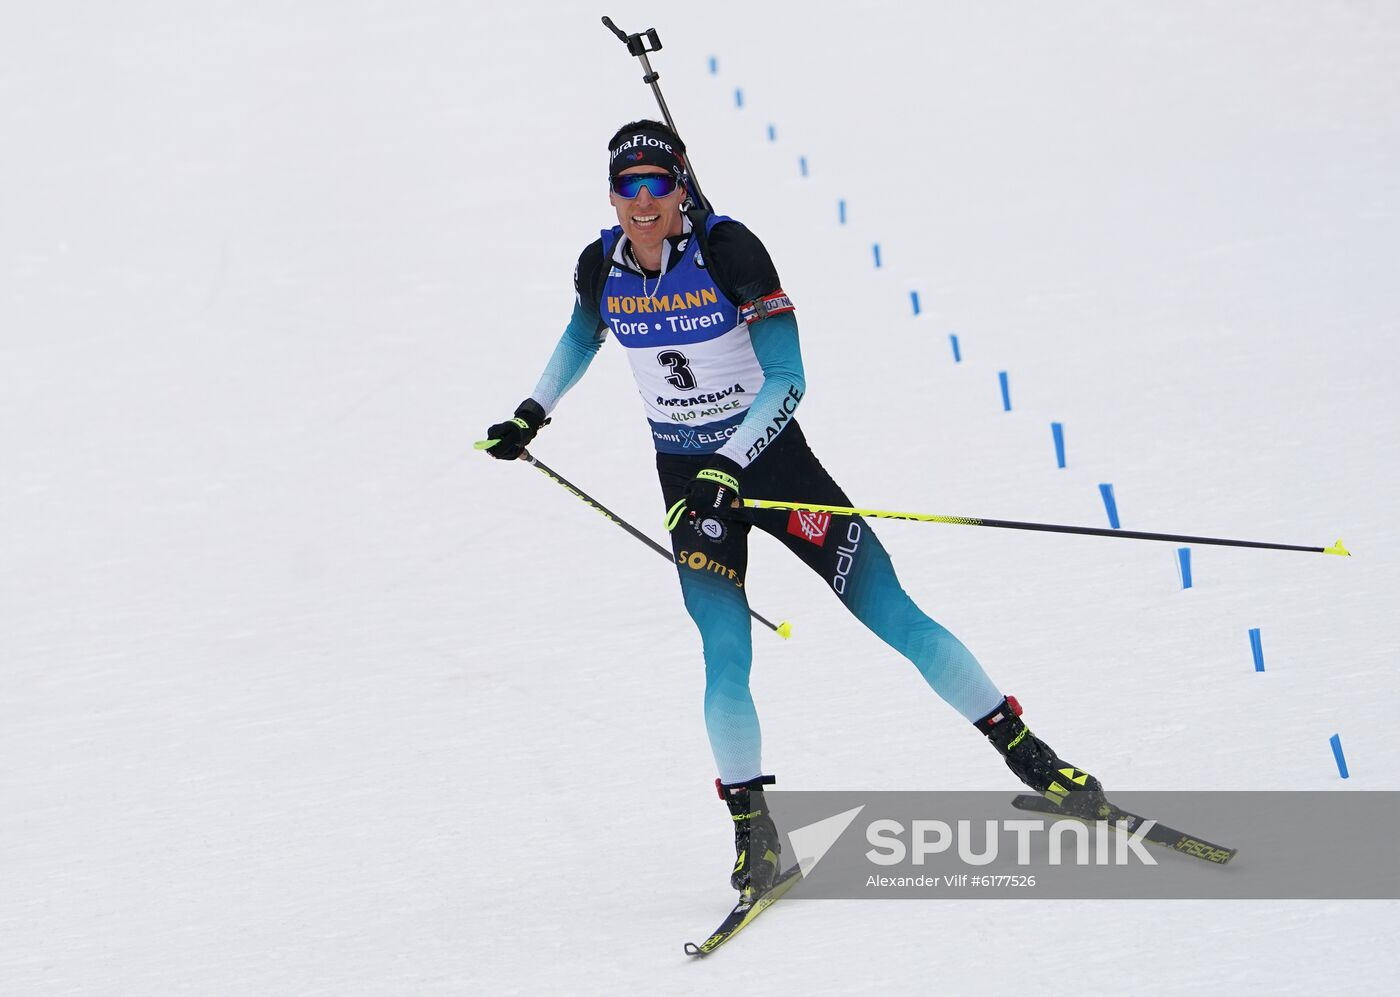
(743, 914)
(1157, 834)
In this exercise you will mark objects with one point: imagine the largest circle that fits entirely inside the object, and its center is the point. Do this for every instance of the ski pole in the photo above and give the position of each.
(637, 45)
(783, 629)
(1006, 524)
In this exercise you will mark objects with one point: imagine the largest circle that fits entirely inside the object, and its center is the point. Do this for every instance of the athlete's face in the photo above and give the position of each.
(647, 220)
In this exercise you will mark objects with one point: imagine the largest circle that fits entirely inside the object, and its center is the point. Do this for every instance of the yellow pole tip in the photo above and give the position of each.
(785, 630)
(1337, 549)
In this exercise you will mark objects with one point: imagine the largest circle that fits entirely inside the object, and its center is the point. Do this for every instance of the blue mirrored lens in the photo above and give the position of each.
(629, 185)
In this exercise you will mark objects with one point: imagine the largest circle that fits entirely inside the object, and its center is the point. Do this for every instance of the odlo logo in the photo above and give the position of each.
(846, 557)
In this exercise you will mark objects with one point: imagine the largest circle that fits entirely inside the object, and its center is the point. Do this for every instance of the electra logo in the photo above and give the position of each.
(697, 439)
(846, 558)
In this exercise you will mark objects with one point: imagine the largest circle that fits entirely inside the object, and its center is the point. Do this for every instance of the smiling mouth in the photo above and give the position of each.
(644, 221)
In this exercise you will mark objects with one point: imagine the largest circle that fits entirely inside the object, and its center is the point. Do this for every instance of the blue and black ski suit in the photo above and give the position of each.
(713, 345)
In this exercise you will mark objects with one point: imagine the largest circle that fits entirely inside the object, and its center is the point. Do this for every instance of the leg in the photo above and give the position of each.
(712, 585)
(870, 589)
(850, 558)
(721, 613)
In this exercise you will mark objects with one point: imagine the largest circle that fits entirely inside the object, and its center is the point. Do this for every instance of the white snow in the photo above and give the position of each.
(301, 695)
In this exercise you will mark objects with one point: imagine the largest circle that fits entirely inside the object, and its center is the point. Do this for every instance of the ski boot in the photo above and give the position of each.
(1035, 763)
(756, 845)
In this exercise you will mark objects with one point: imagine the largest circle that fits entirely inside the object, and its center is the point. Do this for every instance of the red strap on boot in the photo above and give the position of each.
(1005, 710)
(757, 782)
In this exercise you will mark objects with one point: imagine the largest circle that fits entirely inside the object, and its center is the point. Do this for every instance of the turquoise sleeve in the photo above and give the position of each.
(582, 339)
(776, 347)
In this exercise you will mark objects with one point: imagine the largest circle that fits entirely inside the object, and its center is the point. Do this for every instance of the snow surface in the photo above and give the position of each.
(303, 696)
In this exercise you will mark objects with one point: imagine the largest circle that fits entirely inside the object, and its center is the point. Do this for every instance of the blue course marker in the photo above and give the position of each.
(714, 65)
(841, 211)
(738, 97)
(1257, 646)
(876, 248)
(1341, 758)
(802, 164)
(957, 351)
(772, 134)
(1057, 431)
(1109, 504)
(1183, 556)
(1005, 391)
(914, 300)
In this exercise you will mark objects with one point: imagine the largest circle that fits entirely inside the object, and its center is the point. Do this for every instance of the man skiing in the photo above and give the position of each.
(712, 341)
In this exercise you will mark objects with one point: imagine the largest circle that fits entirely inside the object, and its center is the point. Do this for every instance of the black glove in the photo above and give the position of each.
(512, 437)
(709, 495)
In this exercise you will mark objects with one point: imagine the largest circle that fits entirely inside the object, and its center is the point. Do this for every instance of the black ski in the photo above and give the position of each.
(743, 914)
(1157, 834)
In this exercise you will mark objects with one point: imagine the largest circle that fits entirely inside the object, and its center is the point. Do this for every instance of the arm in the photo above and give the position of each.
(776, 347)
(582, 339)
(583, 336)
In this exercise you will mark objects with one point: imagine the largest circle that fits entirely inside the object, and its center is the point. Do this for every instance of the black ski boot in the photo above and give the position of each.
(1035, 763)
(756, 845)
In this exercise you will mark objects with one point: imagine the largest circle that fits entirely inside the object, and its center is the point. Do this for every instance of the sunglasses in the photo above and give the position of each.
(629, 185)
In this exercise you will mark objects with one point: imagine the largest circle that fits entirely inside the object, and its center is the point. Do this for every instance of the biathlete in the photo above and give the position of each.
(712, 339)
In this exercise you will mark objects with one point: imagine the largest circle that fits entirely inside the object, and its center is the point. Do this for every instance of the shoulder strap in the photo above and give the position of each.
(600, 279)
(700, 226)
(700, 229)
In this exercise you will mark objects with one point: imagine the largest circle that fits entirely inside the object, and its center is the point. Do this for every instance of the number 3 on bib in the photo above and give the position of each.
(680, 376)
